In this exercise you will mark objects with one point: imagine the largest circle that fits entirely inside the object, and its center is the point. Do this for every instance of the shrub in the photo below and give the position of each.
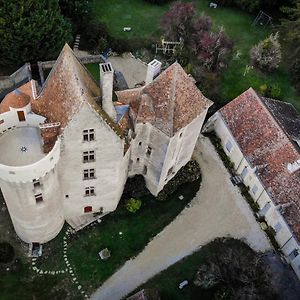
(295, 73)
(133, 205)
(7, 252)
(189, 173)
(266, 55)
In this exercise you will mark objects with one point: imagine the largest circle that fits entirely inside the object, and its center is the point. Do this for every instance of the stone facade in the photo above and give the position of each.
(72, 148)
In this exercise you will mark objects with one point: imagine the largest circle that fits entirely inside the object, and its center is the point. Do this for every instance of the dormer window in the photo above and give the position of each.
(149, 151)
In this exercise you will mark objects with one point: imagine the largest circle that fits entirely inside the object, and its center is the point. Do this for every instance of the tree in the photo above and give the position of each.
(290, 29)
(177, 22)
(208, 47)
(31, 30)
(78, 11)
(235, 273)
(266, 55)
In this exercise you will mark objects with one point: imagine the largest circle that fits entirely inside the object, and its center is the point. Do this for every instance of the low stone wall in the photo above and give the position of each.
(9, 83)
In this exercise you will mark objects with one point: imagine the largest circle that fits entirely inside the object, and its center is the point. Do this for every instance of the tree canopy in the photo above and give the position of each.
(31, 30)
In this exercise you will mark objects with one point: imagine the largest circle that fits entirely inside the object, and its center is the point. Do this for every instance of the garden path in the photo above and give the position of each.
(218, 210)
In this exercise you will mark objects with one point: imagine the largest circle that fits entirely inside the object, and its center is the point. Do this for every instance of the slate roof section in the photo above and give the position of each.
(286, 116)
(266, 145)
(68, 85)
(18, 98)
(170, 102)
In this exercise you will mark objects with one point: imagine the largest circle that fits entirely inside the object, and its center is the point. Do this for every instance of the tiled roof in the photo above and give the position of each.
(169, 103)
(266, 145)
(18, 98)
(68, 85)
(285, 115)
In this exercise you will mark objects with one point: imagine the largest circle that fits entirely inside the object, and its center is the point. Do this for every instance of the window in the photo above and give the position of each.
(88, 135)
(140, 143)
(228, 146)
(66, 196)
(265, 209)
(89, 191)
(1, 122)
(294, 254)
(149, 151)
(244, 173)
(88, 209)
(145, 170)
(137, 160)
(277, 227)
(88, 156)
(36, 182)
(170, 171)
(180, 135)
(88, 174)
(254, 189)
(38, 198)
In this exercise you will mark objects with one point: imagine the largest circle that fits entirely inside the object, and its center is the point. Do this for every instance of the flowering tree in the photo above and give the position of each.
(208, 47)
(266, 55)
(178, 21)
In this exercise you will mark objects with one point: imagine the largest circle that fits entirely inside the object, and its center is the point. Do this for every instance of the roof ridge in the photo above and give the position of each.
(173, 98)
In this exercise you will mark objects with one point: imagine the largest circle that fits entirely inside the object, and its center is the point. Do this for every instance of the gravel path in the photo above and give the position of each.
(218, 210)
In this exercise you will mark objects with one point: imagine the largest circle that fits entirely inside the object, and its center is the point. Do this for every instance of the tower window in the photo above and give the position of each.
(88, 156)
(89, 174)
(38, 198)
(36, 182)
(145, 170)
(88, 135)
(149, 151)
(89, 191)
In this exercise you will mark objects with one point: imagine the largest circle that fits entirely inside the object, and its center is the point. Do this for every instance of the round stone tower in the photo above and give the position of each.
(28, 176)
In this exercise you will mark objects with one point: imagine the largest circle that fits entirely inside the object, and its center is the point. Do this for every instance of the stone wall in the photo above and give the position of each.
(18, 78)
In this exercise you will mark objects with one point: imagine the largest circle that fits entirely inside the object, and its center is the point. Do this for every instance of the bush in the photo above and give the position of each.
(295, 73)
(266, 55)
(189, 173)
(133, 205)
(272, 91)
(7, 252)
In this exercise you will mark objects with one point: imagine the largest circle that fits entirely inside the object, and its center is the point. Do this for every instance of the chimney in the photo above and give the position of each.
(106, 85)
(153, 70)
(293, 167)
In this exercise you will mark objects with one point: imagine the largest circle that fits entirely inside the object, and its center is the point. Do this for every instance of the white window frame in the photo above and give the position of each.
(89, 174)
(88, 156)
(89, 191)
(229, 146)
(39, 198)
(88, 135)
(244, 172)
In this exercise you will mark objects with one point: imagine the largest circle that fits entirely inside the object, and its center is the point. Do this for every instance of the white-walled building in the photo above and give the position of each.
(67, 148)
(261, 136)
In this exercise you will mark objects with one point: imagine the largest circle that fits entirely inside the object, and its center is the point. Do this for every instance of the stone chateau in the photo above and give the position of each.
(67, 148)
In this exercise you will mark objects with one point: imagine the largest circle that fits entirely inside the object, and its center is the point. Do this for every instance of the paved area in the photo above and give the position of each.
(218, 210)
(21, 146)
(133, 70)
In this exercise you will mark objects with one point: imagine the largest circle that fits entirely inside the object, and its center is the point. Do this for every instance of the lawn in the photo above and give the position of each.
(136, 231)
(167, 281)
(144, 19)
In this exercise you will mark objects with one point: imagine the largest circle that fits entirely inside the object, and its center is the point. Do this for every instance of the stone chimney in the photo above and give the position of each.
(153, 70)
(106, 85)
(293, 167)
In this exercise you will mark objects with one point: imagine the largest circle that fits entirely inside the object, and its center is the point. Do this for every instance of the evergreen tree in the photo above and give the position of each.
(31, 30)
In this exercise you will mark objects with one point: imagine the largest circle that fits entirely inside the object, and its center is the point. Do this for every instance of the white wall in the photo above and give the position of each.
(268, 209)
(109, 165)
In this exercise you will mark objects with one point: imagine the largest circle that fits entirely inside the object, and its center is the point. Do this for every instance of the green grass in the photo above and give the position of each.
(167, 281)
(94, 70)
(137, 230)
(141, 16)
(144, 19)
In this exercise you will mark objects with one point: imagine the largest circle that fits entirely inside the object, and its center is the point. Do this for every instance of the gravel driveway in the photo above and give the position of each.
(218, 210)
